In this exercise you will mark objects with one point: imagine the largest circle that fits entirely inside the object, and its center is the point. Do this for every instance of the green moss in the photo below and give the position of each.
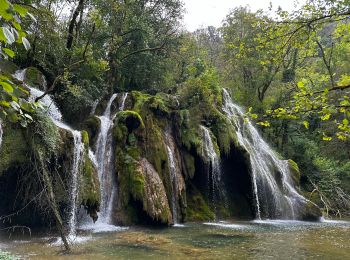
(131, 119)
(224, 133)
(294, 171)
(131, 180)
(120, 133)
(197, 208)
(92, 125)
(85, 138)
(189, 164)
(34, 78)
(45, 133)
(14, 149)
(89, 189)
(139, 99)
(158, 106)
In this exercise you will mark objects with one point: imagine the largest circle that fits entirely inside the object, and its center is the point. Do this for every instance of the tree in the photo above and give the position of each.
(319, 31)
(13, 96)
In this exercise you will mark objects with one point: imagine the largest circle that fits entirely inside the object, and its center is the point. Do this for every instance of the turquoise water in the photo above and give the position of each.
(221, 240)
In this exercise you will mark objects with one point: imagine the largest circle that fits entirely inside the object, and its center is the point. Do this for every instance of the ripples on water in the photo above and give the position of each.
(279, 239)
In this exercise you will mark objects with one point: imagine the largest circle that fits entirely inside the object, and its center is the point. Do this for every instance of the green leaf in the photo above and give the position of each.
(325, 117)
(306, 124)
(265, 124)
(345, 121)
(10, 38)
(7, 87)
(301, 84)
(344, 81)
(26, 43)
(20, 9)
(31, 17)
(9, 52)
(4, 4)
(4, 103)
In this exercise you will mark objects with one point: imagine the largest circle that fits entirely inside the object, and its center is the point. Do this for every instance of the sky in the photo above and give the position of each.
(202, 13)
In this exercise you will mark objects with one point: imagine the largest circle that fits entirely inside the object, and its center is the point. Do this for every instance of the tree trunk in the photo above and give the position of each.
(50, 195)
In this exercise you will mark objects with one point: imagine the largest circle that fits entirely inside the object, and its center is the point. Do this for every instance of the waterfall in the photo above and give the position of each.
(172, 170)
(74, 187)
(20, 74)
(272, 198)
(213, 161)
(122, 105)
(104, 158)
(54, 113)
(78, 150)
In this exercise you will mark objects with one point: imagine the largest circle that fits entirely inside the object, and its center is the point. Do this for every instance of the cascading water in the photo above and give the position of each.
(54, 113)
(213, 160)
(74, 188)
(122, 105)
(272, 200)
(104, 158)
(172, 170)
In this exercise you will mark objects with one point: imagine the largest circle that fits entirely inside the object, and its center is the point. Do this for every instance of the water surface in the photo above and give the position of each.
(221, 240)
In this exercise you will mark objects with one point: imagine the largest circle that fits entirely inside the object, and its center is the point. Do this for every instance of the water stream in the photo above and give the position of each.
(272, 200)
(172, 169)
(214, 173)
(105, 161)
(54, 113)
(74, 186)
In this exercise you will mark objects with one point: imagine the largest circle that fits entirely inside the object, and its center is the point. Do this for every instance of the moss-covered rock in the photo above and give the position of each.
(92, 126)
(131, 119)
(294, 171)
(89, 188)
(189, 163)
(310, 212)
(14, 150)
(197, 208)
(85, 139)
(34, 78)
(155, 201)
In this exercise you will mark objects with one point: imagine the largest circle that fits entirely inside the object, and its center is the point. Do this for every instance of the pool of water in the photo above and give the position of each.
(220, 240)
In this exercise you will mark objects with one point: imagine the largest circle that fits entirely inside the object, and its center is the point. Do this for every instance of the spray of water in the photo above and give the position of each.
(272, 200)
(78, 150)
(172, 170)
(74, 187)
(214, 170)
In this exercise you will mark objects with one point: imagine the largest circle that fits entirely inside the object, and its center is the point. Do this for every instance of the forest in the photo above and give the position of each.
(117, 120)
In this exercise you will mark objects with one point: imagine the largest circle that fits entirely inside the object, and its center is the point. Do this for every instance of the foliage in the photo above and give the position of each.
(13, 104)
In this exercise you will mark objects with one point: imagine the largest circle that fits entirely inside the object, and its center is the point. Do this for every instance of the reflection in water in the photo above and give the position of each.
(222, 240)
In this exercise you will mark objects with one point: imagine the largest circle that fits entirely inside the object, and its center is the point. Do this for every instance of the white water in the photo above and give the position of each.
(122, 105)
(54, 113)
(172, 169)
(104, 159)
(105, 162)
(20, 74)
(74, 187)
(271, 199)
(213, 160)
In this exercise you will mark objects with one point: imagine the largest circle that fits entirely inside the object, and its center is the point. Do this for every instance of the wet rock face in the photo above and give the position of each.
(155, 201)
(310, 212)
